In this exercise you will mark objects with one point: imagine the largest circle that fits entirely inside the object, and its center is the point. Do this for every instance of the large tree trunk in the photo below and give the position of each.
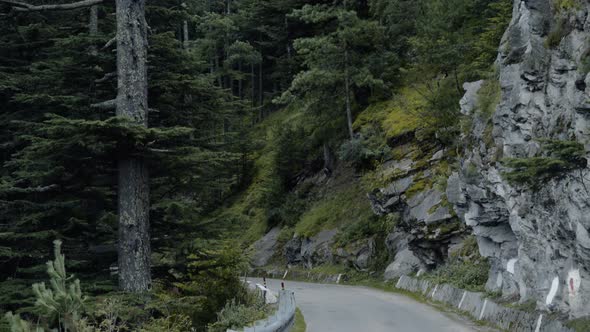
(347, 87)
(134, 240)
(93, 27)
(93, 21)
(185, 35)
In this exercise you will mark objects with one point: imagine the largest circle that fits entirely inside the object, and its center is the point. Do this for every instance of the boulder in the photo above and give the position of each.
(405, 263)
(265, 248)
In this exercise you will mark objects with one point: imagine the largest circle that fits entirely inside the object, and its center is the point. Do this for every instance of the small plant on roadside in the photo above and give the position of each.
(60, 306)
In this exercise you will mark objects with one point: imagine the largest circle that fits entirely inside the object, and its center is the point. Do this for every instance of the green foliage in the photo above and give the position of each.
(168, 324)
(299, 325)
(561, 157)
(566, 5)
(341, 58)
(61, 305)
(395, 118)
(59, 154)
(557, 32)
(579, 324)
(488, 97)
(365, 229)
(363, 151)
(466, 269)
(235, 316)
(338, 208)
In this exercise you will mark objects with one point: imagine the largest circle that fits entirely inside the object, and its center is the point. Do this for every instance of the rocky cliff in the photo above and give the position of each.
(535, 234)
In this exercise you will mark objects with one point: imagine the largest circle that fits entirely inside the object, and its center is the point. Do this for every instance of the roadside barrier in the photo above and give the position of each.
(481, 308)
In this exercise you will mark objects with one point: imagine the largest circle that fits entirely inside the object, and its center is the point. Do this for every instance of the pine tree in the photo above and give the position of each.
(345, 56)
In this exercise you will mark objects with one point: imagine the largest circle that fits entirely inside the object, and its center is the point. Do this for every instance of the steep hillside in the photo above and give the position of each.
(514, 176)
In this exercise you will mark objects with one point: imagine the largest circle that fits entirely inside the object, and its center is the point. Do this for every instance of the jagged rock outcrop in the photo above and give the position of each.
(312, 251)
(536, 240)
(427, 225)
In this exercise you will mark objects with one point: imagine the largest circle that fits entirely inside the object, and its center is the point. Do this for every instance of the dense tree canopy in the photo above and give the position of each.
(215, 70)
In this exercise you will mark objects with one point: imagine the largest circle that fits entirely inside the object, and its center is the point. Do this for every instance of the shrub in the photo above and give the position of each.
(59, 306)
(175, 323)
(237, 315)
(566, 5)
(562, 157)
(489, 97)
(361, 152)
(558, 31)
(466, 269)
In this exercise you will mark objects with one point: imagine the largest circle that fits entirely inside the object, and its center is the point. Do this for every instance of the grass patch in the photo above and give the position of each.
(562, 6)
(345, 206)
(528, 306)
(466, 269)
(488, 97)
(299, 325)
(397, 116)
(579, 324)
(557, 33)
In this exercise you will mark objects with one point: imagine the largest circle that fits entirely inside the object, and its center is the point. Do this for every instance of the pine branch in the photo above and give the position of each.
(109, 43)
(106, 77)
(25, 7)
(106, 105)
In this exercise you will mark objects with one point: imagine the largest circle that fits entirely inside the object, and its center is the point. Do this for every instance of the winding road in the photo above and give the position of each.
(360, 309)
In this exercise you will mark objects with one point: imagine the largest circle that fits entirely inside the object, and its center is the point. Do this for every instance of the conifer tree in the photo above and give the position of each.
(346, 55)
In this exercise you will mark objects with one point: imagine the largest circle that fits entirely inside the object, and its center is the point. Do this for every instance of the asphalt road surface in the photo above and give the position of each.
(360, 309)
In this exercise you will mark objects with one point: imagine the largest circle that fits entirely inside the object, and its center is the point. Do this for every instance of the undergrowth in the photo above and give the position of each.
(466, 269)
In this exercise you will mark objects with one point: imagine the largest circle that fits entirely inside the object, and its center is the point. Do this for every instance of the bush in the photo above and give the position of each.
(59, 306)
(566, 5)
(466, 269)
(558, 31)
(562, 157)
(237, 315)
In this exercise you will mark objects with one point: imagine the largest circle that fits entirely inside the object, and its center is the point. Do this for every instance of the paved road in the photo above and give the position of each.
(359, 309)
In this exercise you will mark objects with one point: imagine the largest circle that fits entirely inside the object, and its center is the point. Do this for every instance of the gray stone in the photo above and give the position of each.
(316, 250)
(422, 203)
(398, 187)
(265, 247)
(404, 165)
(469, 101)
(292, 251)
(437, 156)
(405, 263)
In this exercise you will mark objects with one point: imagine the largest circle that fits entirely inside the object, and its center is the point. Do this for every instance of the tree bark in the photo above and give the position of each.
(240, 81)
(347, 88)
(93, 27)
(260, 93)
(185, 35)
(93, 21)
(133, 192)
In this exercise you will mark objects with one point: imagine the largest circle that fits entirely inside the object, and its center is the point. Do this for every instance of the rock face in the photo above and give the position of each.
(536, 240)
(404, 263)
(310, 251)
(427, 225)
(265, 248)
